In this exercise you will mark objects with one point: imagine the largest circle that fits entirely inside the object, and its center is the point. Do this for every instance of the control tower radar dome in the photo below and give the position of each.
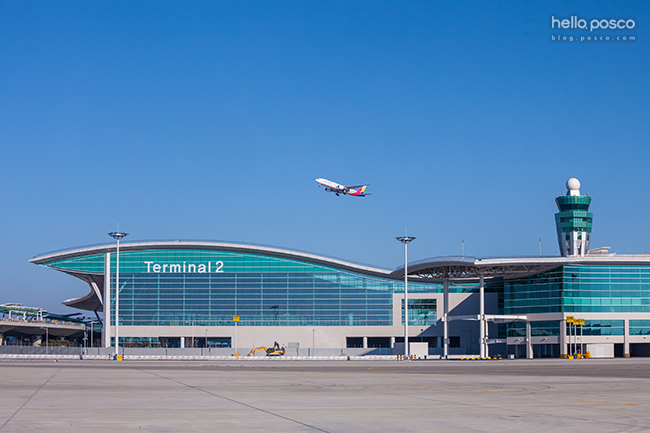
(573, 184)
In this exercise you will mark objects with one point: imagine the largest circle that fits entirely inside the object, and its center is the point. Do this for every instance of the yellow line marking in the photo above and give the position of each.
(601, 402)
(515, 393)
(485, 390)
(628, 404)
(532, 395)
(470, 389)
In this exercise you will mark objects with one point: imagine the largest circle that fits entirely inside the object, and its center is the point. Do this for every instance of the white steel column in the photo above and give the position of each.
(106, 329)
(481, 322)
(529, 342)
(626, 339)
(486, 335)
(563, 350)
(445, 301)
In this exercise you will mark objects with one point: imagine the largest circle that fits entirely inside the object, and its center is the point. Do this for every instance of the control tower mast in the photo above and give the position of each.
(573, 221)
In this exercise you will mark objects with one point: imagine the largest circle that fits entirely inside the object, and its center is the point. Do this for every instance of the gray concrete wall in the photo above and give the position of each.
(333, 338)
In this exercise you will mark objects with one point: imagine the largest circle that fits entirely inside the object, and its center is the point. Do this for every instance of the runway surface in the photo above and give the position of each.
(312, 396)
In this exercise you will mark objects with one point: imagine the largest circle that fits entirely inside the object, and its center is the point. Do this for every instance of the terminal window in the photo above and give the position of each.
(375, 342)
(354, 342)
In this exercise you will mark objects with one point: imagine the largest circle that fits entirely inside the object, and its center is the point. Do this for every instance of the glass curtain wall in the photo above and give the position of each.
(206, 288)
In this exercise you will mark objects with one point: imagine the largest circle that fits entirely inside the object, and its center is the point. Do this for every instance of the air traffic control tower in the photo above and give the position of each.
(573, 221)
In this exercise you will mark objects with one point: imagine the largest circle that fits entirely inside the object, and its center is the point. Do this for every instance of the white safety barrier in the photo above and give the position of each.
(204, 358)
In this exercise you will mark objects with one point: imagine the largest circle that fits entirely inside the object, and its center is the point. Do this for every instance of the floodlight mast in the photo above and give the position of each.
(117, 236)
(405, 240)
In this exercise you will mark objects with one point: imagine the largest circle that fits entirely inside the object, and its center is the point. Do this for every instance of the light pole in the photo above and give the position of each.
(405, 240)
(117, 236)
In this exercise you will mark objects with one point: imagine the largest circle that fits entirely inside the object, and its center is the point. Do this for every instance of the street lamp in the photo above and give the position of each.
(117, 236)
(405, 240)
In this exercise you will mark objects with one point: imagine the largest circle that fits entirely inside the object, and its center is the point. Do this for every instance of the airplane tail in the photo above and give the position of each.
(360, 192)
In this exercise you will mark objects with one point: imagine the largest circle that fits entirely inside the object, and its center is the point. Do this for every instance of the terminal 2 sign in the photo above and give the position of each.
(185, 268)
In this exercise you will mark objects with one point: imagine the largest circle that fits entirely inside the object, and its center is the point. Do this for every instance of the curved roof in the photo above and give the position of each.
(93, 302)
(471, 268)
(45, 258)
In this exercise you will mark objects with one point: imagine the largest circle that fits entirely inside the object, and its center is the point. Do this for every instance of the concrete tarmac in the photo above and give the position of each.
(314, 396)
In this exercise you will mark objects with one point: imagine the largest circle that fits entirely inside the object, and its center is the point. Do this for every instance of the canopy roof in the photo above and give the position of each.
(471, 268)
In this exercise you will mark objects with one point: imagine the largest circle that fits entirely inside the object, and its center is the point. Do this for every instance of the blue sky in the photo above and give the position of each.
(211, 120)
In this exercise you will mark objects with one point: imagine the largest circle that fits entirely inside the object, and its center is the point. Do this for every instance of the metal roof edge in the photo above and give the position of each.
(231, 246)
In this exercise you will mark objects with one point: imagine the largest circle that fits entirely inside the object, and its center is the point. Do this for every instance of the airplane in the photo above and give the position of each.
(356, 190)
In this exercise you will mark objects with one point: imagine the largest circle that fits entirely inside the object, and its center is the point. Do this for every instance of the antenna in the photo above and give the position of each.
(462, 247)
(540, 247)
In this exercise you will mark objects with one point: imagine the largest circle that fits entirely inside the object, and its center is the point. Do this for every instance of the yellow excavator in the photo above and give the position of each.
(276, 350)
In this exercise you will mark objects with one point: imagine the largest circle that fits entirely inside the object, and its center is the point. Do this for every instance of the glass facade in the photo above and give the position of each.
(185, 287)
(580, 289)
(606, 289)
(573, 215)
(422, 312)
(639, 327)
(537, 329)
(598, 327)
(541, 293)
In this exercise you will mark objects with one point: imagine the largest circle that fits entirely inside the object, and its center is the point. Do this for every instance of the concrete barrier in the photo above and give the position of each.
(203, 358)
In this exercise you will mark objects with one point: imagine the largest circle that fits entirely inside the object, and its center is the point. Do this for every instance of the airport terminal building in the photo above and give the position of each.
(239, 296)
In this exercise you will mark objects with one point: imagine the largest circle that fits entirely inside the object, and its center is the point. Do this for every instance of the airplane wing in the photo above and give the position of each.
(356, 186)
